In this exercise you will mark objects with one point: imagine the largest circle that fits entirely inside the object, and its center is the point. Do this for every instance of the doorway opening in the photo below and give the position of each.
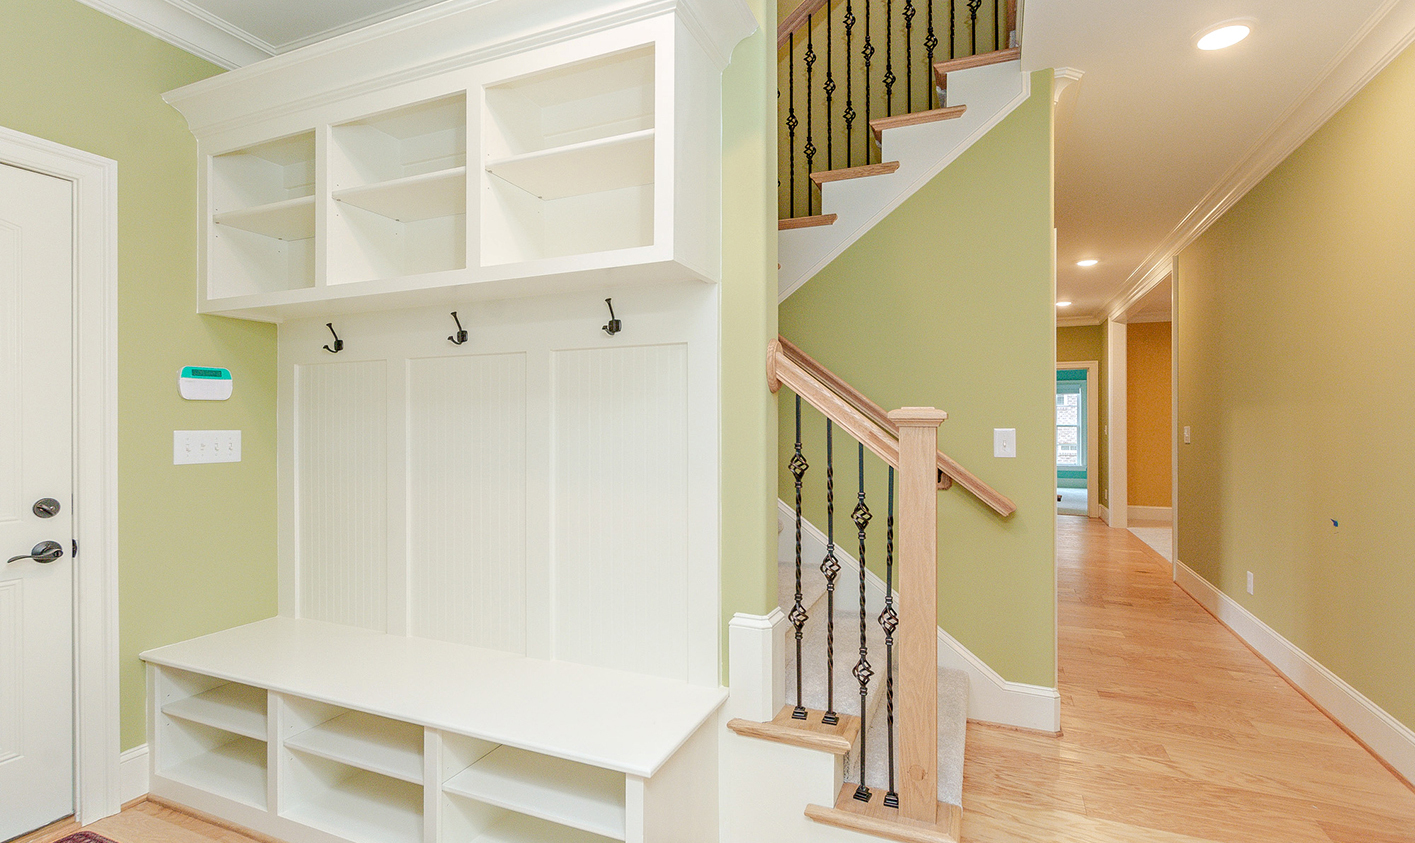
(1077, 441)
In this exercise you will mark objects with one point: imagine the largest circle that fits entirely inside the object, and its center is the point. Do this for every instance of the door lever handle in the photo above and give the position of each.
(43, 553)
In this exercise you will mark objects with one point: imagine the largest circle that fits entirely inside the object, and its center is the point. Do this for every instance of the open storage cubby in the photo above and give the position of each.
(213, 735)
(399, 184)
(559, 792)
(350, 802)
(262, 206)
(569, 160)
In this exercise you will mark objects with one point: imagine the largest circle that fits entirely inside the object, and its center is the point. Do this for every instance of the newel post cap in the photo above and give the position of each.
(918, 416)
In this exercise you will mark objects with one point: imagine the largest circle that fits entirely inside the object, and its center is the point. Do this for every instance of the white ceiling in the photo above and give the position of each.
(1155, 139)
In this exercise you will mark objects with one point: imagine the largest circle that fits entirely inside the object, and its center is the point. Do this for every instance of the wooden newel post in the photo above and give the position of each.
(918, 611)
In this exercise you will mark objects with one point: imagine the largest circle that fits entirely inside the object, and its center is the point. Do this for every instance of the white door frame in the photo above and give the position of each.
(96, 736)
(1093, 470)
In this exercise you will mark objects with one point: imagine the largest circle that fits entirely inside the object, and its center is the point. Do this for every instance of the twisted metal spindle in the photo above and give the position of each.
(791, 121)
(952, 28)
(930, 44)
(831, 568)
(889, 621)
(861, 516)
(889, 77)
(867, 52)
(809, 150)
(908, 15)
(848, 115)
(798, 616)
(829, 88)
(973, 6)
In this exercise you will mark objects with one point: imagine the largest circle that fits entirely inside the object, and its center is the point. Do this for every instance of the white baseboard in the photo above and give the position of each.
(1105, 514)
(1152, 513)
(132, 774)
(1390, 739)
(991, 698)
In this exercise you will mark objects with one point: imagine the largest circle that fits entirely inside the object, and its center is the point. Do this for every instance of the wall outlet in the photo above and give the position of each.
(190, 447)
(1186, 434)
(1250, 582)
(1004, 442)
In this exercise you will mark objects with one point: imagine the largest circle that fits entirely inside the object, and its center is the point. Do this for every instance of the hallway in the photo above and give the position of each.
(1173, 730)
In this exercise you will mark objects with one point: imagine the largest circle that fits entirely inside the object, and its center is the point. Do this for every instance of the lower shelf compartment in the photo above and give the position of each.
(364, 807)
(234, 770)
(518, 828)
(565, 792)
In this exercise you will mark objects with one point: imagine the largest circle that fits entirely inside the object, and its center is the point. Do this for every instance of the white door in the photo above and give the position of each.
(36, 463)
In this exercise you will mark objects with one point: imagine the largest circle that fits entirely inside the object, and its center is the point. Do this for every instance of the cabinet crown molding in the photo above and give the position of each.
(432, 41)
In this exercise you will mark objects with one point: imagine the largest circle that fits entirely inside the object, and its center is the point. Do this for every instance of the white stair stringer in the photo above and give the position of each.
(990, 92)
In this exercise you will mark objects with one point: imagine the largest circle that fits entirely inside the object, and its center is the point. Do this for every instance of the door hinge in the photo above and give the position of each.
(75, 554)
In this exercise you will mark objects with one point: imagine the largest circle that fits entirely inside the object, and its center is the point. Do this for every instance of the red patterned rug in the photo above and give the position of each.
(84, 837)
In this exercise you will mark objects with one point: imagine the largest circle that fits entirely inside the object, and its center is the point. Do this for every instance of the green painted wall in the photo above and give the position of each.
(949, 302)
(196, 543)
(1292, 332)
(1087, 342)
(748, 322)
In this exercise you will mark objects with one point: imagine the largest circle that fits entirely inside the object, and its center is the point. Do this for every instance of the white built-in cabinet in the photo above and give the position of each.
(498, 563)
(472, 151)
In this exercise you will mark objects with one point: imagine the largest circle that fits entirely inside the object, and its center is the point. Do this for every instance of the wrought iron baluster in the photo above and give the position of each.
(997, 24)
(909, 12)
(829, 89)
(798, 614)
(889, 77)
(867, 52)
(889, 621)
(861, 516)
(973, 6)
(952, 28)
(791, 121)
(848, 115)
(930, 44)
(809, 59)
(831, 568)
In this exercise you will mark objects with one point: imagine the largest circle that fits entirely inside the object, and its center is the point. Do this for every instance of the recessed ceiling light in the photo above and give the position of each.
(1087, 262)
(1223, 35)
(1063, 304)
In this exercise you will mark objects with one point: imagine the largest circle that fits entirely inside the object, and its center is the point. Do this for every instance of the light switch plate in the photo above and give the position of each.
(1004, 442)
(190, 447)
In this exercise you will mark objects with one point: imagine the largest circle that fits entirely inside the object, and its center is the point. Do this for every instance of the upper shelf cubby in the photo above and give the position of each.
(270, 173)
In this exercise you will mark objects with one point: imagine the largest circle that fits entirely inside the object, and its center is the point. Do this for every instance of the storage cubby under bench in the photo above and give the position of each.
(311, 731)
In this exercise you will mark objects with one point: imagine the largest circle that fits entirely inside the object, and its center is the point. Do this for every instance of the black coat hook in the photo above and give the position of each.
(338, 343)
(461, 335)
(614, 326)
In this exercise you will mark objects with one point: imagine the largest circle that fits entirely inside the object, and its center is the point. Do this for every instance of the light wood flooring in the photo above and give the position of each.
(1173, 731)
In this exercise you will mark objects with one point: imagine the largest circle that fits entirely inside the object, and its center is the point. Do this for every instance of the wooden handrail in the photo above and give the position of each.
(788, 364)
(798, 16)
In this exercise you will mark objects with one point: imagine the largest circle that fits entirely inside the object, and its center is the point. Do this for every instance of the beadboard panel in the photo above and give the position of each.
(341, 452)
(548, 489)
(467, 500)
(620, 507)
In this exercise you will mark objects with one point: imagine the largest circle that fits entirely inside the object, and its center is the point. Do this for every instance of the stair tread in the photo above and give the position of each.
(810, 733)
(948, 112)
(805, 222)
(863, 171)
(943, 68)
(876, 819)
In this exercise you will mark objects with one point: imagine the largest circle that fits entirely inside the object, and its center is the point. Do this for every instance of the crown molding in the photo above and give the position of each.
(430, 41)
(1078, 321)
(1065, 77)
(188, 28)
(1385, 35)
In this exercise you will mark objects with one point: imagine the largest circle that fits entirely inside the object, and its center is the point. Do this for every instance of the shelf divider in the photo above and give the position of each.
(367, 742)
(232, 707)
(289, 219)
(412, 198)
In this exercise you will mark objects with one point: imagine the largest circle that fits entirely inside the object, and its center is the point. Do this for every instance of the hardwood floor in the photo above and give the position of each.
(145, 822)
(1173, 730)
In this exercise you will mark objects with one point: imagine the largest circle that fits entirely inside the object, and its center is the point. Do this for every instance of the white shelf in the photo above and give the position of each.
(412, 198)
(365, 808)
(627, 722)
(590, 167)
(289, 219)
(522, 829)
(371, 743)
(235, 770)
(231, 707)
(587, 798)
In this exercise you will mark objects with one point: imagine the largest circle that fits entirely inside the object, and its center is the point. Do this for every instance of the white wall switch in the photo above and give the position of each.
(1004, 442)
(1186, 434)
(190, 447)
(1250, 582)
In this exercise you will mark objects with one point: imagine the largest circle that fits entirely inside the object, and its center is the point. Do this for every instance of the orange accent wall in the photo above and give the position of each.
(1147, 354)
